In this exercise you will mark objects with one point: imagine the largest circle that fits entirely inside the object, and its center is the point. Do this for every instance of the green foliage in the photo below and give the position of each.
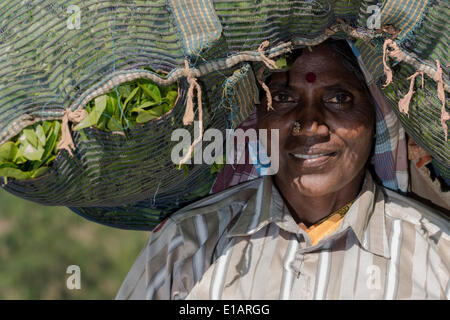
(214, 169)
(135, 102)
(281, 63)
(38, 243)
(30, 154)
(218, 164)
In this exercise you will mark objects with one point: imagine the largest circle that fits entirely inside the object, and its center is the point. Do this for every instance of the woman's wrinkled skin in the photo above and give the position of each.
(337, 121)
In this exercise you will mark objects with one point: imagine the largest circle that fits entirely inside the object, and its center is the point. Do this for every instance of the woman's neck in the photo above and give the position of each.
(308, 210)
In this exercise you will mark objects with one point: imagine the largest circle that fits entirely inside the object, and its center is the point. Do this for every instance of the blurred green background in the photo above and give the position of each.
(38, 243)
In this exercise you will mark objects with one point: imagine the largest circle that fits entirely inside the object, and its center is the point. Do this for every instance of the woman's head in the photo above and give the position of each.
(325, 94)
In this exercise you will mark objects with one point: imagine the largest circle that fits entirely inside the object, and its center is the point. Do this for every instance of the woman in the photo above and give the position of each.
(321, 228)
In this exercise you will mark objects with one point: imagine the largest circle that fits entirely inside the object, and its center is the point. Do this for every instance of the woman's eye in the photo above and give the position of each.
(282, 98)
(340, 98)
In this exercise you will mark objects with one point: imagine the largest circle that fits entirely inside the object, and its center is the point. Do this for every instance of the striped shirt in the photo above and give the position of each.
(243, 243)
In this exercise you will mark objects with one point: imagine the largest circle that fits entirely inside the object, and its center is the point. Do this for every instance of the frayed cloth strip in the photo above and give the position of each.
(66, 137)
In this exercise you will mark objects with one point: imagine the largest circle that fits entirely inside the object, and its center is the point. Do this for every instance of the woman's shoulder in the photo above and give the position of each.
(211, 204)
(219, 208)
(417, 213)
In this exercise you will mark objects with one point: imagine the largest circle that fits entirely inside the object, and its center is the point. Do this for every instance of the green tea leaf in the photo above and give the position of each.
(31, 153)
(130, 97)
(172, 96)
(281, 63)
(145, 105)
(166, 107)
(41, 135)
(110, 104)
(103, 123)
(132, 124)
(148, 104)
(8, 165)
(47, 126)
(19, 158)
(125, 90)
(56, 128)
(8, 151)
(100, 102)
(13, 173)
(152, 91)
(39, 172)
(49, 147)
(93, 117)
(31, 137)
(158, 110)
(114, 125)
(35, 165)
(57, 133)
(49, 160)
(145, 116)
(216, 167)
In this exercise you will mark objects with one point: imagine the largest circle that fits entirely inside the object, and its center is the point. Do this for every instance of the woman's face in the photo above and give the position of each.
(336, 117)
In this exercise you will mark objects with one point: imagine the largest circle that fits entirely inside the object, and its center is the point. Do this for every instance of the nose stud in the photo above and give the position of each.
(297, 127)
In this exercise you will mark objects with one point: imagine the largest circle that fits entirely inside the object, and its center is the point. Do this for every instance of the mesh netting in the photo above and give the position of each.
(57, 56)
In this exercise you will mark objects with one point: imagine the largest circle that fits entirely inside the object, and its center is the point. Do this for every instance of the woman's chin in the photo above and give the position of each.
(315, 185)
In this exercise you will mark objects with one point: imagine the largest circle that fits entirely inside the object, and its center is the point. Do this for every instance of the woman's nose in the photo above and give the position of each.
(311, 121)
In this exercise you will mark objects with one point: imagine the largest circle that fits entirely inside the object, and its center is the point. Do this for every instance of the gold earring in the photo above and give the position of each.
(297, 127)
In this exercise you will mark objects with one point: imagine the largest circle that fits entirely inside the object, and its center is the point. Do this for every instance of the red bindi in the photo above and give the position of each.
(310, 77)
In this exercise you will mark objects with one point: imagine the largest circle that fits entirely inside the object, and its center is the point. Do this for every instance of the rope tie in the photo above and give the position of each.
(395, 53)
(268, 62)
(271, 65)
(437, 76)
(66, 137)
(188, 117)
(403, 103)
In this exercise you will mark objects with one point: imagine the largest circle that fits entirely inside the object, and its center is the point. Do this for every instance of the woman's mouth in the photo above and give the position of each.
(313, 160)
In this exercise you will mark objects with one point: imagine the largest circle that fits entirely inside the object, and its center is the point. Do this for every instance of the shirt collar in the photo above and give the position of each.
(365, 217)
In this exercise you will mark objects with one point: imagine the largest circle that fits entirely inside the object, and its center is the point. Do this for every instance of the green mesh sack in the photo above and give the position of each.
(58, 56)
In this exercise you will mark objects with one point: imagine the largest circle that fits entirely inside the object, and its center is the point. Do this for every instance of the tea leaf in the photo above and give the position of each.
(39, 172)
(151, 90)
(281, 63)
(172, 96)
(93, 117)
(148, 104)
(124, 90)
(49, 146)
(158, 110)
(31, 153)
(31, 137)
(8, 151)
(8, 165)
(53, 157)
(166, 107)
(13, 173)
(145, 116)
(113, 125)
(110, 104)
(130, 97)
(41, 135)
